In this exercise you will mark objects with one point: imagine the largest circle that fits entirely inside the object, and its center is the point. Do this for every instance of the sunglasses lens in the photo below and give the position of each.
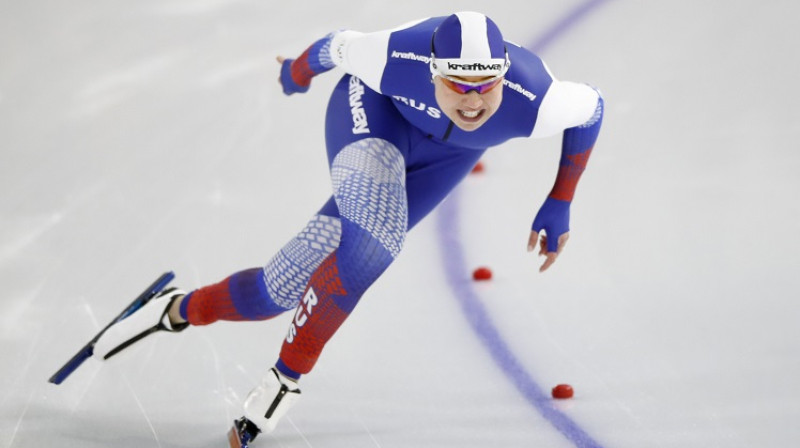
(455, 86)
(483, 88)
(465, 88)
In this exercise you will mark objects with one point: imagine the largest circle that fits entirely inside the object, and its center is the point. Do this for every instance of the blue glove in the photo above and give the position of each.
(553, 217)
(296, 74)
(289, 86)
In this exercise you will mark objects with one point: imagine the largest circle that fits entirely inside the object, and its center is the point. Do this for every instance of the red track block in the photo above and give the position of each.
(482, 274)
(563, 391)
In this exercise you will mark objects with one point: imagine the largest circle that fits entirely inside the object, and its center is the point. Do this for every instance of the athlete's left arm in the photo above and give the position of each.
(578, 110)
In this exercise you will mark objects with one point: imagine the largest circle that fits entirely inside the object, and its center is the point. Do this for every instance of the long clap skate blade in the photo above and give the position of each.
(88, 349)
(240, 435)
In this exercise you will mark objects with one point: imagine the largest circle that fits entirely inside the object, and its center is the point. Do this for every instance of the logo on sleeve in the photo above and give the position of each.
(411, 56)
(519, 89)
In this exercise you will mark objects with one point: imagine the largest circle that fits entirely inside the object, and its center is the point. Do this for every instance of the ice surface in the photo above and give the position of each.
(139, 137)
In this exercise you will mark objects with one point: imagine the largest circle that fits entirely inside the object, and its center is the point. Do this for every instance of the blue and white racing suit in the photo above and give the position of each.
(393, 157)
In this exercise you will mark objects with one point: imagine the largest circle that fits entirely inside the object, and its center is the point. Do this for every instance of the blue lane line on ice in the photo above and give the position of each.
(456, 271)
(563, 25)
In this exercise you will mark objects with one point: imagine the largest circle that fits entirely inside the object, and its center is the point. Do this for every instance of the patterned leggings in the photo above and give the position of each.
(384, 182)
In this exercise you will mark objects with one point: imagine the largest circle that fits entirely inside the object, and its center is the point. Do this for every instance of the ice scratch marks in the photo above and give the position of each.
(360, 420)
(23, 334)
(90, 312)
(13, 309)
(229, 395)
(21, 418)
(141, 408)
(28, 236)
(116, 86)
(299, 432)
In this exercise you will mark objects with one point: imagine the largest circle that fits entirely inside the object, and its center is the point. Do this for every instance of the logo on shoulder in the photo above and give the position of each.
(360, 125)
(411, 56)
(519, 89)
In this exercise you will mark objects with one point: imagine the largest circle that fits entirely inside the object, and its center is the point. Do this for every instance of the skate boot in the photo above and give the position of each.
(265, 405)
(148, 319)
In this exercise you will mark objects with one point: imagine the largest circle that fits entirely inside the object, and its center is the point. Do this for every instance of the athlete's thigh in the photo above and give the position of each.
(359, 116)
(356, 112)
(434, 169)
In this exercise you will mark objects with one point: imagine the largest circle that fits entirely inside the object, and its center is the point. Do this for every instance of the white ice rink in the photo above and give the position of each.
(143, 136)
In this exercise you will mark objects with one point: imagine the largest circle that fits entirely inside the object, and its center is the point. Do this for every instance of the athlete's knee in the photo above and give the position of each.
(287, 274)
(370, 191)
(363, 256)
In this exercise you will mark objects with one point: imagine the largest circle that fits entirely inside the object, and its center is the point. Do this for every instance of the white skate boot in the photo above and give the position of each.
(264, 407)
(150, 318)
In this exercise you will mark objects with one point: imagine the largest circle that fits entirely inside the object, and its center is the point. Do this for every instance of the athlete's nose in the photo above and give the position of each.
(472, 100)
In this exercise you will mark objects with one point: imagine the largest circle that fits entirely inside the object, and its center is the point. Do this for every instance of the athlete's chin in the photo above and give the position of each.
(468, 127)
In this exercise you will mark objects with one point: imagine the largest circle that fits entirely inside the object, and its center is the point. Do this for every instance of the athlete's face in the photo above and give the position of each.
(470, 110)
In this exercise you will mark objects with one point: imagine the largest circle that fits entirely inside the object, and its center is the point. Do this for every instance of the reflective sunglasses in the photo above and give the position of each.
(463, 87)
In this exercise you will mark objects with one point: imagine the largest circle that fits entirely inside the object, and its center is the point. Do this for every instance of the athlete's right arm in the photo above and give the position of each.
(361, 54)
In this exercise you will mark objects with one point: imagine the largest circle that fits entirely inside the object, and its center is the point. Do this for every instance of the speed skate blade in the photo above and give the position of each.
(234, 439)
(88, 349)
(242, 433)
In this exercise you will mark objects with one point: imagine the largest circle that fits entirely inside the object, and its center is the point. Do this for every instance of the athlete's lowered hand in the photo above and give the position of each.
(550, 256)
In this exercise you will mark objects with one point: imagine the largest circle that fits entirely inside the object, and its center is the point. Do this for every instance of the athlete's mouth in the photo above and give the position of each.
(471, 115)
